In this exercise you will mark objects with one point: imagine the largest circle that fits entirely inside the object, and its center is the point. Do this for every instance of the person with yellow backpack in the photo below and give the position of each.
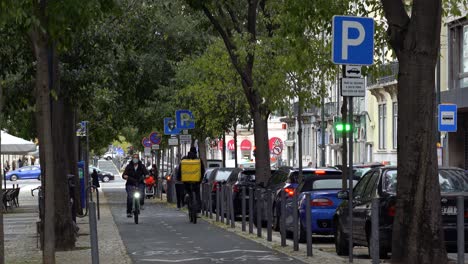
(190, 172)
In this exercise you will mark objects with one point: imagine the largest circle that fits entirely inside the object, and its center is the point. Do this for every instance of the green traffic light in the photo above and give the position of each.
(340, 127)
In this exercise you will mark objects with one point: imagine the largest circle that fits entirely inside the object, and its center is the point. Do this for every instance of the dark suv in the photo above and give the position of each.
(381, 183)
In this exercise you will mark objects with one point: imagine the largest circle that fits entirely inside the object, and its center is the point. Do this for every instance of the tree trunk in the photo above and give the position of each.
(202, 150)
(262, 159)
(235, 145)
(224, 149)
(44, 125)
(2, 233)
(417, 229)
(65, 164)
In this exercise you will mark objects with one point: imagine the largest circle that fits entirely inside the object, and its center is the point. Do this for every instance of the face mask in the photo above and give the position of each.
(135, 160)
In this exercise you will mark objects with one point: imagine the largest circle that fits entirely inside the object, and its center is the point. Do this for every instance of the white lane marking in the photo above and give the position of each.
(238, 250)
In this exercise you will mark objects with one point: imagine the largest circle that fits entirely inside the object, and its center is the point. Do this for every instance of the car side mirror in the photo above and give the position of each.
(343, 195)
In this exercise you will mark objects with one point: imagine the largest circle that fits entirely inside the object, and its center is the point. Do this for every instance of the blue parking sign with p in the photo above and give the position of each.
(353, 40)
(185, 119)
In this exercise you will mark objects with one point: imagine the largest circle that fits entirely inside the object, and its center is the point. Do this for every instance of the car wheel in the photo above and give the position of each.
(302, 233)
(341, 244)
(105, 179)
(39, 177)
(13, 177)
(108, 158)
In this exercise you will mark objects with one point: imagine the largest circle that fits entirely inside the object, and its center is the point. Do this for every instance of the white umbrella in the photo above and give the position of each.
(14, 145)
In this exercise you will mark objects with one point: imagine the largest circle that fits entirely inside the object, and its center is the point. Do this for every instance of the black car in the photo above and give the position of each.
(244, 178)
(218, 177)
(381, 183)
(104, 176)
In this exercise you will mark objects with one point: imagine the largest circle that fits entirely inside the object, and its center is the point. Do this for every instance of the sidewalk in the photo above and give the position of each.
(21, 238)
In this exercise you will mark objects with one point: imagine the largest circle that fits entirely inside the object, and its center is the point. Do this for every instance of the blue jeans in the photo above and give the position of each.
(129, 189)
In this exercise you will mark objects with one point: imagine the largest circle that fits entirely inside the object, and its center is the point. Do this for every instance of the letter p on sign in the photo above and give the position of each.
(353, 40)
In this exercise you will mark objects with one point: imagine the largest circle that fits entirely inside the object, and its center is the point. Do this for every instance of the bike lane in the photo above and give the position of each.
(165, 235)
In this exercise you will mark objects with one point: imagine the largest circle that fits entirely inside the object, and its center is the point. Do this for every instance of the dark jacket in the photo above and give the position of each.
(95, 178)
(137, 176)
(190, 155)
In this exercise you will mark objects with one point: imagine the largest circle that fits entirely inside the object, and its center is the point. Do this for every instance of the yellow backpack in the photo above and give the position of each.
(190, 170)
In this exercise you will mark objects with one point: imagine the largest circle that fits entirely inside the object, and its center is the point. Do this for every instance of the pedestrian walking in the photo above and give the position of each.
(95, 179)
(179, 188)
(20, 163)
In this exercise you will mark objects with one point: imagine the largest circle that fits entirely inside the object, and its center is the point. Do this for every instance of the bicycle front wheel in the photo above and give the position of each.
(136, 210)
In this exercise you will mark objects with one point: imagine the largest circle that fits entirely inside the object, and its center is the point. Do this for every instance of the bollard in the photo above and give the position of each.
(218, 190)
(295, 222)
(308, 225)
(251, 212)
(93, 233)
(460, 229)
(283, 219)
(243, 208)
(269, 215)
(259, 212)
(207, 200)
(228, 204)
(221, 200)
(374, 241)
(210, 201)
(231, 205)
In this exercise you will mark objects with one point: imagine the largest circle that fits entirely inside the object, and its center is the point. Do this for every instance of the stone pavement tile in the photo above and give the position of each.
(21, 239)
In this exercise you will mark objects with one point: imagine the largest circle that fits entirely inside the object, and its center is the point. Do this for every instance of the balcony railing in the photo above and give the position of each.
(385, 74)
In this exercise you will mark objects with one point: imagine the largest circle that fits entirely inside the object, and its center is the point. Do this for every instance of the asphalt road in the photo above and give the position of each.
(165, 235)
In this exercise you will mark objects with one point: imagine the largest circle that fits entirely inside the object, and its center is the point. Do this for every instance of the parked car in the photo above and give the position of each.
(104, 176)
(214, 163)
(244, 178)
(322, 187)
(285, 179)
(26, 172)
(360, 169)
(219, 176)
(381, 183)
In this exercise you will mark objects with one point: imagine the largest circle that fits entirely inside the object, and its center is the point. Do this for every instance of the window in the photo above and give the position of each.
(382, 128)
(395, 124)
(361, 185)
(458, 54)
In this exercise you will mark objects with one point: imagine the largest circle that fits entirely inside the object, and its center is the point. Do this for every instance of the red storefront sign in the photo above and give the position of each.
(246, 145)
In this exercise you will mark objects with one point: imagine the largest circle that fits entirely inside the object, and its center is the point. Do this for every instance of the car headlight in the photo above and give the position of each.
(136, 195)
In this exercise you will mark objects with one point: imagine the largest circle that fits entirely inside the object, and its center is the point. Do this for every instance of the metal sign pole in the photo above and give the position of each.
(350, 179)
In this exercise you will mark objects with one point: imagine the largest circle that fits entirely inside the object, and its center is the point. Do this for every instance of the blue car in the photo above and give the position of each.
(26, 172)
(323, 190)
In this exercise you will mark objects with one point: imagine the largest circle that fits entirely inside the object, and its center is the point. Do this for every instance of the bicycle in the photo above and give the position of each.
(136, 203)
(192, 204)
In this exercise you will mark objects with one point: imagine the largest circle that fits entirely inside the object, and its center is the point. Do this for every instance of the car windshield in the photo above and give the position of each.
(449, 180)
(358, 172)
(222, 175)
(323, 184)
(453, 181)
(328, 184)
(247, 176)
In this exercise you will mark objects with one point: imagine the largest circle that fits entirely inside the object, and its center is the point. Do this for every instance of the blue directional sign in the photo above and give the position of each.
(447, 118)
(353, 40)
(170, 127)
(185, 119)
(119, 151)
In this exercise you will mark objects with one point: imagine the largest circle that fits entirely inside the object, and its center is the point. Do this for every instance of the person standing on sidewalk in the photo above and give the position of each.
(135, 174)
(179, 188)
(95, 179)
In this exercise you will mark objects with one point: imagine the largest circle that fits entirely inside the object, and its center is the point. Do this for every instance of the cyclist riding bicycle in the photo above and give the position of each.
(135, 174)
(190, 172)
